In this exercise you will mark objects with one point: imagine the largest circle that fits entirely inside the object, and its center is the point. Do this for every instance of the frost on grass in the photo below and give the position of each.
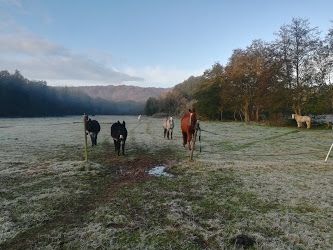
(266, 183)
(31, 191)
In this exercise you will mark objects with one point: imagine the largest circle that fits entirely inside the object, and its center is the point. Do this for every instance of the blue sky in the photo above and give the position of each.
(144, 43)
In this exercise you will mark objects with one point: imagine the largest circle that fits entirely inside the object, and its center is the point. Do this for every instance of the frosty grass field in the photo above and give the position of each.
(268, 184)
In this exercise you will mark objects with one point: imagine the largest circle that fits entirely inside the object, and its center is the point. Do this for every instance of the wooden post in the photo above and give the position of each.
(193, 144)
(328, 154)
(85, 118)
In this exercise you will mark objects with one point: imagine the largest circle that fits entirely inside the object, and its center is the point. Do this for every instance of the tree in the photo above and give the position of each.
(269, 93)
(188, 87)
(152, 106)
(208, 100)
(173, 103)
(322, 63)
(241, 78)
(297, 43)
(216, 72)
(264, 80)
(215, 76)
(329, 38)
(329, 41)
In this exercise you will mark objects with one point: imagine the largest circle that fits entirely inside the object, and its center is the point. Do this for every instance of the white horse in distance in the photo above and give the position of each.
(168, 125)
(300, 119)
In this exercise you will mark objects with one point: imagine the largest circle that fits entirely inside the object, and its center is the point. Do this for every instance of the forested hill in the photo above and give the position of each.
(120, 93)
(20, 97)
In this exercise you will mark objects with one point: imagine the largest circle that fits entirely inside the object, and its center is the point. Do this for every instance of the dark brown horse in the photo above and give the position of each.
(188, 123)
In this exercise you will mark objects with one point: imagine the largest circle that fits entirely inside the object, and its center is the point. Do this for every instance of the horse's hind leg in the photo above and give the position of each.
(118, 147)
(92, 139)
(115, 145)
(308, 124)
(165, 131)
(189, 140)
(123, 147)
(168, 134)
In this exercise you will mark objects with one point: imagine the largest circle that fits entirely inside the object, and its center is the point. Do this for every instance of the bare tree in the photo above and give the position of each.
(297, 43)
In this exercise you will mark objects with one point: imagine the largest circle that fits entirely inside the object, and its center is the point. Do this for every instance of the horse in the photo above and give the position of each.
(300, 119)
(119, 135)
(168, 125)
(188, 126)
(93, 128)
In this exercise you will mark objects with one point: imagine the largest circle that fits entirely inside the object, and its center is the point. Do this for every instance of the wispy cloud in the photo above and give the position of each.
(27, 44)
(39, 58)
(15, 3)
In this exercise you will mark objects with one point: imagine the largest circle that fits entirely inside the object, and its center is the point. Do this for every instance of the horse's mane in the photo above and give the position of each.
(192, 118)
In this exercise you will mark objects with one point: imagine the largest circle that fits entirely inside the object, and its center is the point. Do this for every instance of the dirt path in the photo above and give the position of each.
(74, 213)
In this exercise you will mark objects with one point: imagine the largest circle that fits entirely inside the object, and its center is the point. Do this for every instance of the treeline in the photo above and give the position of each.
(20, 97)
(265, 81)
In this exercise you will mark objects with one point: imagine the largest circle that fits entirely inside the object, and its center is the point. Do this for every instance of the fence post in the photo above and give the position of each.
(193, 144)
(328, 154)
(85, 119)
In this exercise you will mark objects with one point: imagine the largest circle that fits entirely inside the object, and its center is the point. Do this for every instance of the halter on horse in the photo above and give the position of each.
(188, 126)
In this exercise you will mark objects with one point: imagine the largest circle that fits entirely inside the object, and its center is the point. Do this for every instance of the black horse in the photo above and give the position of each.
(119, 135)
(93, 128)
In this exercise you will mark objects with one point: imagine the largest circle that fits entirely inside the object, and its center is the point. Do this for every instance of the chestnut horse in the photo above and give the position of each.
(188, 123)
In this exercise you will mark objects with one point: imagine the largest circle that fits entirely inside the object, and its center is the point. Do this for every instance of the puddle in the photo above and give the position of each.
(159, 170)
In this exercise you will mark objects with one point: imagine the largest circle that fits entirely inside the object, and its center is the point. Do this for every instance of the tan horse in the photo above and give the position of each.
(300, 119)
(168, 125)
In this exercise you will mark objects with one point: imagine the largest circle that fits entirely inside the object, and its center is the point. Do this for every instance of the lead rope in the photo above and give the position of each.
(200, 139)
(197, 127)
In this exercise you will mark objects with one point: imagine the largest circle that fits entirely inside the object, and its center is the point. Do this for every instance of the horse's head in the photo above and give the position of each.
(171, 123)
(193, 120)
(121, 139)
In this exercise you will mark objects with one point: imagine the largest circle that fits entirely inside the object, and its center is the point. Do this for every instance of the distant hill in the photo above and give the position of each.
(20, 97)
(120, 93)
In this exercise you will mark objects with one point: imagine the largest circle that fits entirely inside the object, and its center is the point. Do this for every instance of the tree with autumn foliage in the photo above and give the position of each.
(264, 81)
